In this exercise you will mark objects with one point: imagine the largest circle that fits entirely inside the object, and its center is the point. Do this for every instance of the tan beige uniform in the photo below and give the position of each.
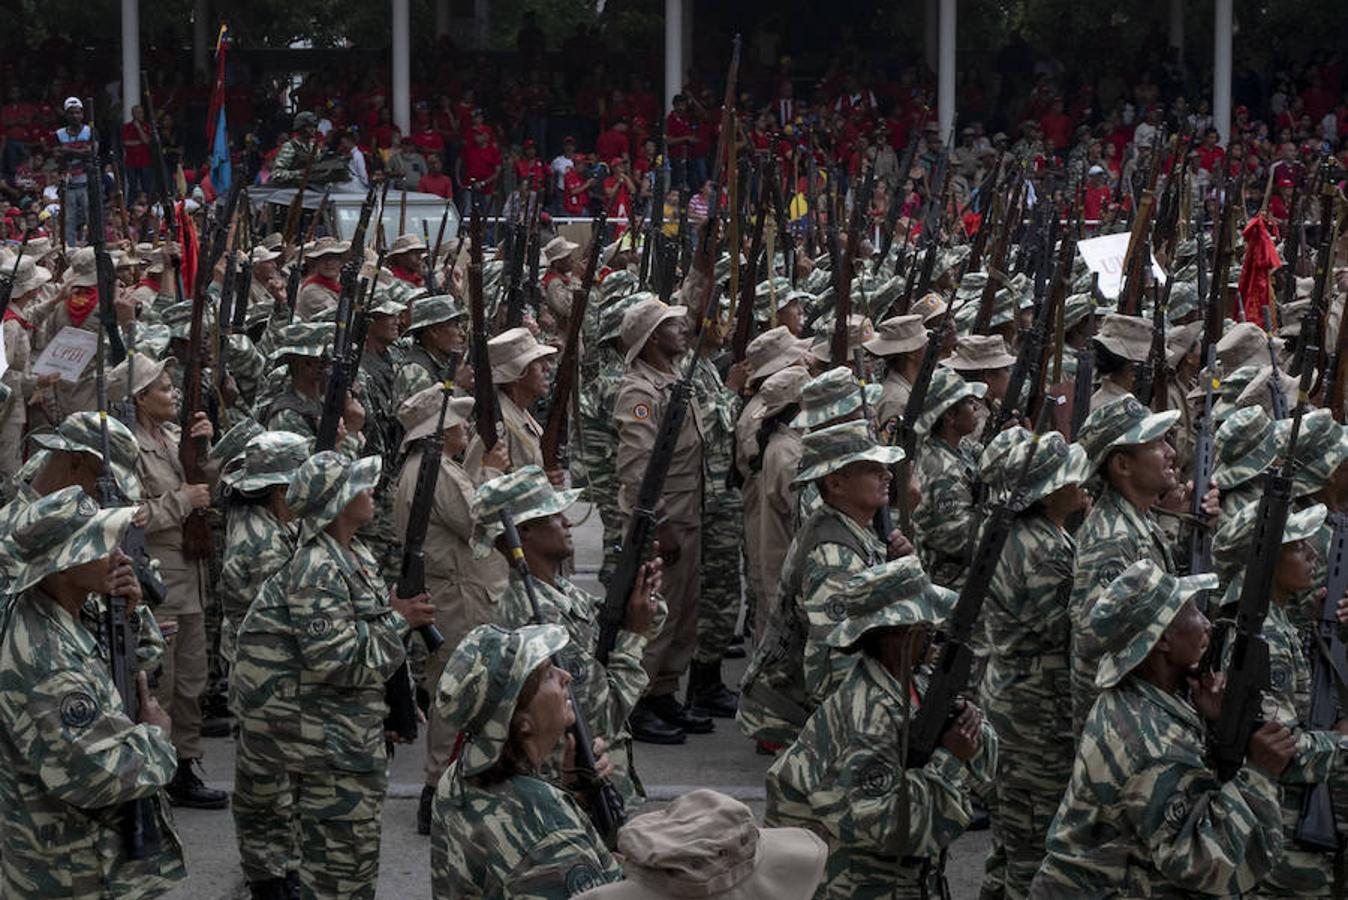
(185, 581)
(14, 411)
(314, 298)
(1108, 392)
(640, 404)
(522, 434)
(464, 590)
(894, 393)
(746, 448)
(64, 398)
(778, 516)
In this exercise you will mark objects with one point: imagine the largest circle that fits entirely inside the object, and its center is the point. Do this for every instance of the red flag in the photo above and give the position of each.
(218, 92)
(191, 250)
(1261, 258)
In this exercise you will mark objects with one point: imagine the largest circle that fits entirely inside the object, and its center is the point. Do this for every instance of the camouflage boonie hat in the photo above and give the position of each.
(950, 258)
(1055, 465)
(892, 594)
(231, 445)
(816, 282)
(611, 316)
(830, 449)
(60, 531)
(481, 684)
(1183, 301)
(617, 285)
(1186, 249)
(312, 340)
(1322, 446)
(832, 395)
(1122, 423)
(152, 339)
(325, 483)
(387, 301)
(1076, 308)
(900, 334)
(1133, 613)
(992, 463)
(946, 389)
(781, 390)
(774, 350)
(971, 286)
(765, 291)
(420, 413)
(178, 319)
(270, 458)
(1231, 545)
(82, 432)
(1231, 387)
(1243, 448)
(875, 294)
(433, 310)
(859, 331)
(526, 493)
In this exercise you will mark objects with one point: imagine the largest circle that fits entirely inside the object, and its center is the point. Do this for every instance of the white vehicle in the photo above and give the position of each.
(342, 212)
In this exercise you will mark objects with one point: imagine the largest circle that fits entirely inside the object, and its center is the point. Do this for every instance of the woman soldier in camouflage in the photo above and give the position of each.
(499, 830)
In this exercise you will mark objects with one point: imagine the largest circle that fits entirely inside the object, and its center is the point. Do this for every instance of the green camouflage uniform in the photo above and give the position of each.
(1114, 534)
(257, 545)
(844, 779)
(418, 370)
(382, 436)
(594, 464)
(722, 518)
(944, 520)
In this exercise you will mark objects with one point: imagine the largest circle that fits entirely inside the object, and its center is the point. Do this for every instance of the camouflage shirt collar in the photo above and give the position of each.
(49, 608)
(865, 534)
(1174, 706)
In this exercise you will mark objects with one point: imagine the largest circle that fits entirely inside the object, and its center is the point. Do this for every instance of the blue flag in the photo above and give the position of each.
(221, 171)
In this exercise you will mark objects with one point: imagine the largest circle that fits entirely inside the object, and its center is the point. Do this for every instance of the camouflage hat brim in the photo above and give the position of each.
(1249, 466)
(933, 607)
(1114, 666)
(486, 533)
(810, 418)
(1076, 469)
(362, 475)
(880, 453)
(97, 538)
(1314, 472)
(927, 420)
(128, 482)
(1149, 429)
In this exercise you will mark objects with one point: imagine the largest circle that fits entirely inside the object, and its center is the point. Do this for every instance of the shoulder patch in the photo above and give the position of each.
(580, 878)
(876, 779)
(78, 709)
(835, 609)
(641, 411)
(1106, 574)
(319, 626)
(1177, 811)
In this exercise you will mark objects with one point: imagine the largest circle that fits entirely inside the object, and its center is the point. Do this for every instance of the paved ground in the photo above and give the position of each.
(724, 760)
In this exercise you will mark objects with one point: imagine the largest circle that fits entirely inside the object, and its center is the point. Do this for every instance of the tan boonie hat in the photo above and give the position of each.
(269, 459)
(890, 595)
(60, 531)
(125, 259)
(407, 243)
(1133, 613)
(1244, 344)
(325, 484)
(640, 322)
(558, 248)
(28, 277)
(1128, 337)
(774, 350)
(83, 268)
(780, 390)
(1179, 340)
(829, 449)
(929, 307)
(326, 246)
(979, 352)
(260, 254)
(419, 413)
(1259, 392)
(832, 395)
(511, 352)
(145, 373)
(706, 844)
(901, 334)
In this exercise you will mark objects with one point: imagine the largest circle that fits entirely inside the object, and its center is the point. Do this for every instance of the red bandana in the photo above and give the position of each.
(13, 316)
(411, 276)
(324, 282)
(80, 303)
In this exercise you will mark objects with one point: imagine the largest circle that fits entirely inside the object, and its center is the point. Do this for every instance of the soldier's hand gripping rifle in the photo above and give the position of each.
(951, 675)
(605, 804)
(553, 441)
(906, 437)
(1247, 676)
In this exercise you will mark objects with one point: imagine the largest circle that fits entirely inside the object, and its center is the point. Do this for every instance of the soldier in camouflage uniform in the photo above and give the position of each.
(606, 693)
(382, 432)
(299, 407)
(946, 465)
(794, 668)
(1127, 445)
(313, 655)
(297, 153)
(1243, 449)
(1026, 691)
(500, 830)
(70, 755)
(1144, 815)
(845, 777)
(1302, 872)
(437, 339)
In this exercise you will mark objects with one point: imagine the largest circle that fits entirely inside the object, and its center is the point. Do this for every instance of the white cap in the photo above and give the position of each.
(72, 103)
(1096, 170)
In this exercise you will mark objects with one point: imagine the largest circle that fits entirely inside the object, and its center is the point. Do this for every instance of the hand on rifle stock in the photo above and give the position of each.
(151, 713)
(121, 580)
(556, 477)
(642, 604)
(353, 415)
(738, 377)
(1206, 691)
(416, 610)
(498, 457)
(666, 543)
(602, 764)
(201, 426)
(899, 546)
(198, 496)
(962, 737)
(1272, 748)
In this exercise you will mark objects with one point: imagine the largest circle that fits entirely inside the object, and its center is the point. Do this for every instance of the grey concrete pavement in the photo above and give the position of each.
(725, 760)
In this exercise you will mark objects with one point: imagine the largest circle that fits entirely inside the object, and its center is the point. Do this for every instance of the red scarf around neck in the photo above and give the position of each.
(81, 302)
(324, 282)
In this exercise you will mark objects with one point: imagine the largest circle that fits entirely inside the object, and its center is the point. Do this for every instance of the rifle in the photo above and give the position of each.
(605, 804)
(486, 408)
(1247, 676)
(884, 522)
(997, 264)
(906, 436)
(642, 525)
(1051, 361)
(515, 244)
(989, 222)
(952, 669)
(1315, 827)
(296, 209)
(782, 231)
(892, 214)
(706, 258)
(1312, 321)
(1027, 358)
(744, 313)
(552, 443)
(1200, 537)
(659, 187)
(860, 204)
(7, 284)
(434, 256)
(107, 275)
(1151, 387)
(931, 226)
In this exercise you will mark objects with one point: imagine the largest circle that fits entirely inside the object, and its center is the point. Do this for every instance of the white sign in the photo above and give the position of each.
(68, 354)
(1104, 256)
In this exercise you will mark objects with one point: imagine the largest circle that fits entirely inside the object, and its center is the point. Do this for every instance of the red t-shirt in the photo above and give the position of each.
(440, 185)
(611, 144)
(17, 119)
(480, 163)
(136, 143)
(531, 171)
(574, 204)
(428, 141)
(1097, 198)
(1210, 158)
(677, 127)
(385, 136)
(1057, 129)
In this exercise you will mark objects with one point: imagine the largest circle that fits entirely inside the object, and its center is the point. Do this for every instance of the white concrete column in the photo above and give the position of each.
(687, 45)
(402, 67)
(1222, 30)
(945, 76)
(201, 36)
(1177, 26)
(673, 50)
(481, 20)
(441, 18)
(130, 57)
(931, 31)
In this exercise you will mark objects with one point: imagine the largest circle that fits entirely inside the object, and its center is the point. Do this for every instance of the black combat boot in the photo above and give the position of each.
(675, 713)
(187, 788)
(269, 889)
(650, 728)
(707, 693)
(424, 809)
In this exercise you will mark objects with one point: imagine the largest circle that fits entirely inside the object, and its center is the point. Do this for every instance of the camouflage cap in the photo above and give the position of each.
(946, 389)
(1232, 543)
(62, 530)
(152, 339)
(433, 310)
(781, 390)
(1122, 423)
(270, 458)
(325, 483)
(1128, 337)
(387, 301)
(1076, 308)
(1244, 344)
(978, 353)
(900, 334)
(640, 322)
(832, 395)
(768, 289)
(311, 340)
(512, 351)
(830, 449)
(420, 413)
(82, 432)
(859, 331)
(178, 319)
(232, 443)
(971, 286)
(930, 307)
(1243, 448)
(1183, 301)
(525, 492)
(950, 258)
(774, 350)
(618, 284)
(1133, 613)
(611, 316)
(1055, 464)
(1322, 446)
(877, 295)
(892, 594)
(995, 455)
(482, 681)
